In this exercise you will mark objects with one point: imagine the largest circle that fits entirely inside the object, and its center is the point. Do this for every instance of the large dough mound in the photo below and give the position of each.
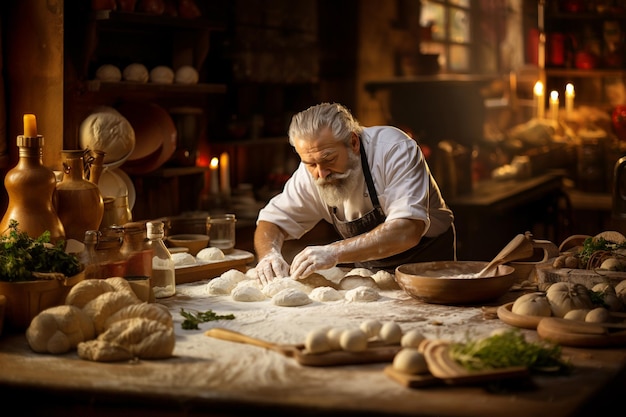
(59, 329)
(86, 290)
(105, 305)
(130, 338)
(152, 311)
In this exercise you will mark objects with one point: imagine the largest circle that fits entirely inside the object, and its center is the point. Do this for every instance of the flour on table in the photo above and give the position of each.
(325, 294)
(362, 294)
(279, 284)
(247, 293)
(290, 297)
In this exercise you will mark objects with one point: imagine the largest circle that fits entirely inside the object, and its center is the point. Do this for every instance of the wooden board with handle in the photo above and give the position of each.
(374, 354)
(576, 333)
(239, 260)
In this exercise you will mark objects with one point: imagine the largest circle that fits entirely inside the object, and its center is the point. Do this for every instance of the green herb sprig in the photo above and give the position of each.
(21, 255)
(508, 349)
(193, 319)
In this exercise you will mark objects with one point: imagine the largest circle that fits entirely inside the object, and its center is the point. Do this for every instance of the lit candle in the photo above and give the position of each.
(569, 99)
(554, 105)
(224, 174)
(30, 126)
(539, 101)
(214, 185)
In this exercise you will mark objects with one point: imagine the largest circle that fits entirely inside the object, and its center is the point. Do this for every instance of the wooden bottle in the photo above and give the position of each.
(78, 202)
(31, 187)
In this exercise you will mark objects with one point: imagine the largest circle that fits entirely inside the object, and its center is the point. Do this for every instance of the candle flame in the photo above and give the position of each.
(554, 95)
(569, 89)
(214, 162)
(538, 88)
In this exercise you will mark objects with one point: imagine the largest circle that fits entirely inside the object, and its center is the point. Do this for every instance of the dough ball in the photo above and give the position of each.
(334, 336)
(412, 339)
(211, 254)
(290, 297)
(576, 314)
(221, 286)
(598, 315)
(353, 340)
(108, 72)
(362, 294)
(136, 72)
(235, 275)
(390, 333)
(354, 281)
(183, 258)
(109, 132)
(317, 341)
(131, 338)
(316, 280)
(186, 75)
(359, 272)
(274, 287)
(410, 361)
(325, 294)
(161, 74)
(252, 274)
(86, 290)
(247, 293)
(152, 311)
(371, 328)
(250, 283)
(59, 329)
(385, 280)
(105, 305)
(334, 274)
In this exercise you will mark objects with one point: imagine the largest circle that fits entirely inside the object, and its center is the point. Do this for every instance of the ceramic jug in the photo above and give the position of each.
(78, 201)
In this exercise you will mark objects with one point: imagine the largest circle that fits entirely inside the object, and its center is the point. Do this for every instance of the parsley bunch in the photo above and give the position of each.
(193, 319)
(21, 255)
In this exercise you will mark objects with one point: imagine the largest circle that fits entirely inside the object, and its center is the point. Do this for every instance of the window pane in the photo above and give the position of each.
(434, 14)
(459, 58)
(459, 26)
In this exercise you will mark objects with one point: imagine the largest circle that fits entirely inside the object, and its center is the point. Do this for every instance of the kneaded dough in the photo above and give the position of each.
(108, 72)
(221, 286)
(334, 335)
(290, 297)
(105, 305)
(86, 290)
(136, 72)
(247, 293)
(162, 74)
(183, 258)
(362, 294)
(353, 340)
(360, 272)
(354, 281)
(334, 274)
(211, 254)
(235, 275)
(59, 329)
(186, 75)
(317, 341)
(390, 333)
(385, 280)
(152, 311)
(371, 328)
(410, 361)
(274, 287)
(413, 338)
(325, 294)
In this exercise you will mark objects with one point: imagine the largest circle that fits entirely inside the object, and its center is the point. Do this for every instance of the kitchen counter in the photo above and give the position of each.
(208, 376)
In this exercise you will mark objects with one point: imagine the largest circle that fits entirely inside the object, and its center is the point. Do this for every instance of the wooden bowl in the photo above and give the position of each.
(451, 282)
(194, 242)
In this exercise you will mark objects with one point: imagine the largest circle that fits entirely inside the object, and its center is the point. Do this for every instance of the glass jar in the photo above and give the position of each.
(163, 267)
(221, 231)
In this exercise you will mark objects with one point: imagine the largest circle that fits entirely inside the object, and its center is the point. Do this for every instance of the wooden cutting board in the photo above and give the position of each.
(374, 354)
(238, 259)
(579, 333)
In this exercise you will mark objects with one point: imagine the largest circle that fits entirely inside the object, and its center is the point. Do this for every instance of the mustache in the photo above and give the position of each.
(332, 179)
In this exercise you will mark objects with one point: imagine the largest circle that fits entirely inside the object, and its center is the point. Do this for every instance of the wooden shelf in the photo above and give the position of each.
(128, 87)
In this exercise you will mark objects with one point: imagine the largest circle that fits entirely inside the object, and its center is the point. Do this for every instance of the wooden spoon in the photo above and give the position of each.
(519, 248)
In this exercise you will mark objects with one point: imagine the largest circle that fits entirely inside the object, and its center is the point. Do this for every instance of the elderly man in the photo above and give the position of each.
(372, 183)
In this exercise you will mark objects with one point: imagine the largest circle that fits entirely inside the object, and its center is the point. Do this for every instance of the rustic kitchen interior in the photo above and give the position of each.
(518, 105)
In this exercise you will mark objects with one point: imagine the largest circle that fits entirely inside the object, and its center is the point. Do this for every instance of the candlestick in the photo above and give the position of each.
(224, 174)
(214, 185)
(30, 126)
(539, 100)
(569, 99)
(554, 105)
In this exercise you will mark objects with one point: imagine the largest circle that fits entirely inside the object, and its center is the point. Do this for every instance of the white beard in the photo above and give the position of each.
(335, 188)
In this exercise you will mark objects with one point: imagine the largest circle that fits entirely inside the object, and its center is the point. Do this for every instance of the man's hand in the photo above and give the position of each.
(271, 266)
(311, 259)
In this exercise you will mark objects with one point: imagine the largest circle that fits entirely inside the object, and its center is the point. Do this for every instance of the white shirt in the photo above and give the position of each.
(403, 182)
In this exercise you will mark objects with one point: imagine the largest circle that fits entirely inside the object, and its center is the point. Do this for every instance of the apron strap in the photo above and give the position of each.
(368, 177)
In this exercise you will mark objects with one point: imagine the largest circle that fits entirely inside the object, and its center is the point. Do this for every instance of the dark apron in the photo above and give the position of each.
(440, 248)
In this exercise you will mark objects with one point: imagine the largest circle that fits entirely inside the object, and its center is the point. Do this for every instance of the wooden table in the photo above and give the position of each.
(214, 377)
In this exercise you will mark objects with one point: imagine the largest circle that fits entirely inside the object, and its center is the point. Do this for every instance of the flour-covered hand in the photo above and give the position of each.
(271, 266)
(311, 259)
